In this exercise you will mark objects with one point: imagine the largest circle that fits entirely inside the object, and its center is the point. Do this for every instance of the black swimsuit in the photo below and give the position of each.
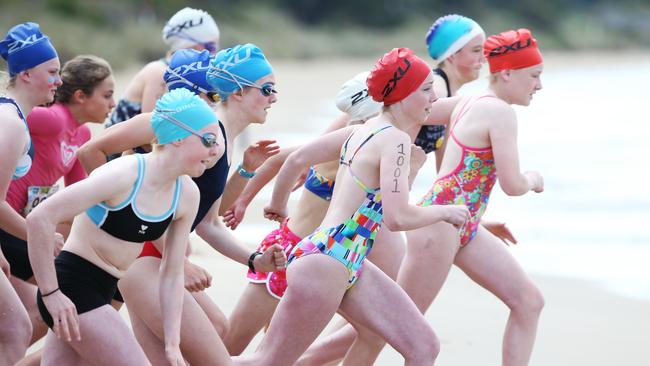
(430, 138)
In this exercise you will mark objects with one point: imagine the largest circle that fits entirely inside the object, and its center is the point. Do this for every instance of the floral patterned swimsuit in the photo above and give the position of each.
(469, 184)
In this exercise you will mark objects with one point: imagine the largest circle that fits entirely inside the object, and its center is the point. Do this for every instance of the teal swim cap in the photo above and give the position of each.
(234, 68)
(188, 110)
(449, 34)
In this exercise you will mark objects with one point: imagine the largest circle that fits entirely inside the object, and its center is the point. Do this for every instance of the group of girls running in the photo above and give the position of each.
(118, 232)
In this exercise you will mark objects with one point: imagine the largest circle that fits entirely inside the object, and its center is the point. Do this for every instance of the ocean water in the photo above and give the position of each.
(588, 133)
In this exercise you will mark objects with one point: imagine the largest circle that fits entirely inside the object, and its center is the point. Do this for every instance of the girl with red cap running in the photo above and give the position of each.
(327, 270)
(33, 79)
(483, 147)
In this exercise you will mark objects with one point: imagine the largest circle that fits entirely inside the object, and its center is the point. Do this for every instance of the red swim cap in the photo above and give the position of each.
(396, 75)
(512, 50)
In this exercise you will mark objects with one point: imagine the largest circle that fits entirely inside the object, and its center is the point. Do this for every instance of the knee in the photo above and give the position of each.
(529, 302)
(425, 348)
(16, 334)
(222, 327)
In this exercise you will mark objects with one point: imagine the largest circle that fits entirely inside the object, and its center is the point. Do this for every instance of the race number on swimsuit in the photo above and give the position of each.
(36, 195)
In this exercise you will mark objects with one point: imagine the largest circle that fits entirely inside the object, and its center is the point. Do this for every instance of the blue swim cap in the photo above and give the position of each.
(25, 46)
(237, 67)
(186, 108)
(449, 34)
(187, 69)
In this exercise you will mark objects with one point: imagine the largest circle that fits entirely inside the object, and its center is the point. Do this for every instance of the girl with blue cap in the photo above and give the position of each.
(122, 204)
(187, 29)
(203, 321)
(455, 43)
(33, 78)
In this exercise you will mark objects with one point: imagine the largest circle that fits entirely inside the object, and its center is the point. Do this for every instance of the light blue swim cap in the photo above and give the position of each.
(237, 67)
(449, 34)
(185, 107)
(24, 47)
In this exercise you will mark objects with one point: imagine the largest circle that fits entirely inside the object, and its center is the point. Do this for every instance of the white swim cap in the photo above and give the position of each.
(354, 100)
(189, 27)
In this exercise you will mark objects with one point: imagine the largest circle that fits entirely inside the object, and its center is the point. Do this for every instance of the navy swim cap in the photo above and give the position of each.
(187, 69)
(25, 46)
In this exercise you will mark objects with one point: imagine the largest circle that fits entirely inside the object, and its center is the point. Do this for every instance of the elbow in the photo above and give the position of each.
(513, 189)
(393, 222)
(296, 160)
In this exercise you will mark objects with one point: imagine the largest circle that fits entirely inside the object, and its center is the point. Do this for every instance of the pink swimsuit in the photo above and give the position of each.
(469, 184)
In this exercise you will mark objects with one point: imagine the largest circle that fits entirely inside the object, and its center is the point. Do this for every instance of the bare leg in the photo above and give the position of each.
(217, 317)
(27, 294)
(153, 347)
(105, 340)
(15, 327)
(200, 343)
(316, 285)
(32, 359)
(487, 261)
(387, 254)
(252, 312)
(429, 255)
(59, 352)
(377, 303)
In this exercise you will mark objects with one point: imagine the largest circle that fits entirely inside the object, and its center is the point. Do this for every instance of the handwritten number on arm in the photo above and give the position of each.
(400, 161)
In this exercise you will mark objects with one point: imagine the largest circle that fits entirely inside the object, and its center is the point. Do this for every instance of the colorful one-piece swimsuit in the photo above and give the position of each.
(276, 282)
(469, 184)
(351, 241)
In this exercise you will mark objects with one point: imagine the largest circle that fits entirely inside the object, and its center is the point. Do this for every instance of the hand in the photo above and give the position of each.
(537, 182)
(273, 259)
(174, 356)
(196, 278)
(418, 158)
(256, 154)
(301, 180)
(5, 267)
(64, 315)
(235, 214)
(58, 243)
(500, 230)
(456, 214)
(274, 213)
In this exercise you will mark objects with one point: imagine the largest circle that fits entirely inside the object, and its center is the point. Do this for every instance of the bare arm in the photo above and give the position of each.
(64, 206)
(235, 213)
(340, 122)
(399, 215)
(503, 138)
(214, 232)
(120, 137)
(171, 268)
(441, 111)
(324, 148)
(12, 144)
(154, 86)
(254, 156)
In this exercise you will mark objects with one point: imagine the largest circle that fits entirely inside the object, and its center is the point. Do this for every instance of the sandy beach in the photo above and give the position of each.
(582, 323)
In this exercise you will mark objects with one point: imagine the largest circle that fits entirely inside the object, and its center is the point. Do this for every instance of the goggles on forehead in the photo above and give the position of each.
(208, 139)
(266, 89)
(211, 47)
